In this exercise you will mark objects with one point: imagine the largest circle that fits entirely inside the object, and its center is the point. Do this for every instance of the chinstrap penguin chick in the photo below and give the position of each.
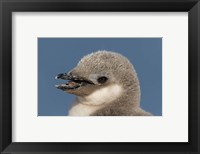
(105, 84)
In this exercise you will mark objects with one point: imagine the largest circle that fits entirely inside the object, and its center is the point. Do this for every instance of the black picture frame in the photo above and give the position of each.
(9, 6)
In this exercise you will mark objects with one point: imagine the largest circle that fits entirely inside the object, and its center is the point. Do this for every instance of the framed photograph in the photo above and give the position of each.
(99, 76)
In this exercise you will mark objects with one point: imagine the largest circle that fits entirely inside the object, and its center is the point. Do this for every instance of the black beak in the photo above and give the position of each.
(72, 77)
(64, 76)
(73, 81)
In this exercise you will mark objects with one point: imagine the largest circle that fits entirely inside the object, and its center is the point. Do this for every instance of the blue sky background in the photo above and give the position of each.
(59, 55)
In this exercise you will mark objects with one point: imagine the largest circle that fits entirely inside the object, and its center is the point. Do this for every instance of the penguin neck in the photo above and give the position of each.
(113, 95)
(85, 106)
(102, 96)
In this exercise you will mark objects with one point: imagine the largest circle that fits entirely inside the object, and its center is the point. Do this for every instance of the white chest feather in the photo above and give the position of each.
(98, 99)
(79, 109)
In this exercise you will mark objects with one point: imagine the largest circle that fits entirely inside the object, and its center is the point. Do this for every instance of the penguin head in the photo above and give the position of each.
(104, 71)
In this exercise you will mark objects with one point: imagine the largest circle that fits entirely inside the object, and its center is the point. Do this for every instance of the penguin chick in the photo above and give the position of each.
(105, 84)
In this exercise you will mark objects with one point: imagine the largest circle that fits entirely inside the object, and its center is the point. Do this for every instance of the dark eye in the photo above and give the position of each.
(102, 79)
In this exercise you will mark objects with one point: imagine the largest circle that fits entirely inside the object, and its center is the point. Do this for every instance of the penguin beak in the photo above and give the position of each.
(73, 82)
(64, 76)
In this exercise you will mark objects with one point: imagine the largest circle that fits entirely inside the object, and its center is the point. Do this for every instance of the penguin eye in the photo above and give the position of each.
(102, 79)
